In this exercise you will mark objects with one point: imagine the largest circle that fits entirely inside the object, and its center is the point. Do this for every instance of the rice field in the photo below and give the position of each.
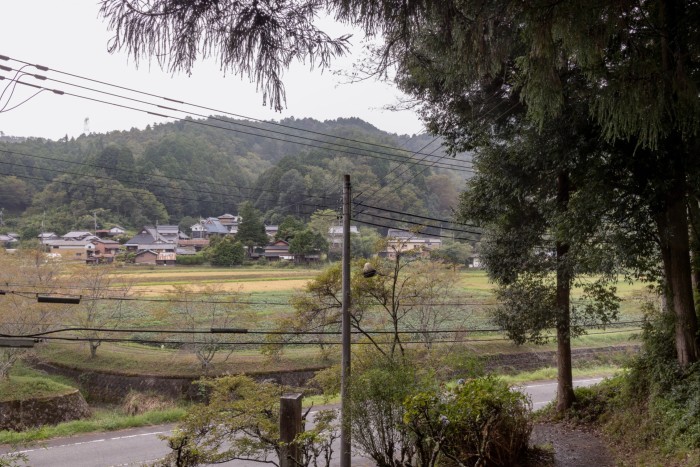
(266, 291)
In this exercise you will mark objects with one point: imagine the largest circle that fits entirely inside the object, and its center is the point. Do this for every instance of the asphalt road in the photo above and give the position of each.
(140, 446)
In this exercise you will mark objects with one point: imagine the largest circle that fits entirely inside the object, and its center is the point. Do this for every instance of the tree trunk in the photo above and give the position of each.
(694, 215)
(672, 221)
(565, 384)
(672, 225)
(93, 348)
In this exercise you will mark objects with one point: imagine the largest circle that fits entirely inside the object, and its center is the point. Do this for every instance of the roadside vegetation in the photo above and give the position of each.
(650, 410)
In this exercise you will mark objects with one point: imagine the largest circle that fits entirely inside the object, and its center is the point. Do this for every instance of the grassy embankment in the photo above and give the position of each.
(26, 383)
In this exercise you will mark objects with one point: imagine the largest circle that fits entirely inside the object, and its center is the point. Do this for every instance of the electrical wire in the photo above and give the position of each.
(202, 123)
(100, 177)
(140, 174)
(223, 112)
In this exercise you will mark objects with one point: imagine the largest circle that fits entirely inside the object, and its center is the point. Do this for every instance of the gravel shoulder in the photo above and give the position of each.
(572, 447)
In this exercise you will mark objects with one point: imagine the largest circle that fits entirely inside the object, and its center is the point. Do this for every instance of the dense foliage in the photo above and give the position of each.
(183, 170)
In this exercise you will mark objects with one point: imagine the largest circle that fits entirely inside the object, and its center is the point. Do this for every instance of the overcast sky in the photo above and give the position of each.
(68, 36)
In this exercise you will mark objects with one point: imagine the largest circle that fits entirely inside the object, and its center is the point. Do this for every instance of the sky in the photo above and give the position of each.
(69, 36)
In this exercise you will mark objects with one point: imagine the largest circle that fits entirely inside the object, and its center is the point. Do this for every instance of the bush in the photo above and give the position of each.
(651, 411)
(377, 393)
(190, 260)
(137, 403)
(480, 422)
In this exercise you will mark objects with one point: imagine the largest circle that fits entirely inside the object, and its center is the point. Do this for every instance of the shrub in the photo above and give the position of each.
(189, 260)
(137, 403)
(377, 393)
(480, 422)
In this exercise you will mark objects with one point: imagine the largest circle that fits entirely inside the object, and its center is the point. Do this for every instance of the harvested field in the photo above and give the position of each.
(270, 285)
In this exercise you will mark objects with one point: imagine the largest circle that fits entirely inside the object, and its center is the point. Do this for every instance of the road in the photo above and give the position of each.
(139, 446)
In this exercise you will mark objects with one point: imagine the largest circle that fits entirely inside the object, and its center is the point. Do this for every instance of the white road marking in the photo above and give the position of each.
(554, 383)
(46, 448)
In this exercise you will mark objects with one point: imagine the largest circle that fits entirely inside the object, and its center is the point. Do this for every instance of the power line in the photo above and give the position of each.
(100, 177)
(177, 101)
(374, 224)
(423, 224)
(31, 294)
(140, 173)
(214, 330)
(142, 192)
(371, 154)
(447, 221)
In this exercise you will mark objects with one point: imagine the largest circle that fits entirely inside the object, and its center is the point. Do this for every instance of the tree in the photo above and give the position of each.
(307, 242)
(288, 229)
(275, 34)
(102, 304)
(28, 272)
(397, 299)
(225, 251)
(251, 230)
(240, 421)
(208, 307)
(637, 61)
(322, 220)
(538, 244)
(364, 245)
(455, 252)
(639, 85)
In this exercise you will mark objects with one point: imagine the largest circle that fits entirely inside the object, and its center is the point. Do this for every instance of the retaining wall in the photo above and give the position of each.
(21, 415)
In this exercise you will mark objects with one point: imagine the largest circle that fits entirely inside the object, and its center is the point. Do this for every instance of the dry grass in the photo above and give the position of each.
(267, 285)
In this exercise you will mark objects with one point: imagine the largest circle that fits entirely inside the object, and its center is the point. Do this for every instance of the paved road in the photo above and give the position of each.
(139, 446)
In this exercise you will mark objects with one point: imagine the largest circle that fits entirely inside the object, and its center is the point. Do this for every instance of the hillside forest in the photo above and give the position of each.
(178, 172)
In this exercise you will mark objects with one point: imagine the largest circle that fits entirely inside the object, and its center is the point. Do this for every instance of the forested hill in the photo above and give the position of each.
(194, 168)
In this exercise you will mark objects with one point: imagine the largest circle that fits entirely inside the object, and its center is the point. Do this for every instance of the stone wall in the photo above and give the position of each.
(106, 387)
(543, 359)
(21, 415)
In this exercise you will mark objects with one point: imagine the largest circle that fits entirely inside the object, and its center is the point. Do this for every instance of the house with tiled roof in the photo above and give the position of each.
(403, 241)
(159, 238)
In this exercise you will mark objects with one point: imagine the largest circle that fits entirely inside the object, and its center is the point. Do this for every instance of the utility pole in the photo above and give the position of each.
(345, 443)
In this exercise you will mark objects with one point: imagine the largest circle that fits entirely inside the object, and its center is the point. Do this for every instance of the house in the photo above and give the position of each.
(158, 238)
(197, 244)
(335, 236)
(166, 259)
(278, 251)
(402, 241)
(146, 257)
(47, 236)
(214, 227)
(228, 220)
(208, 227)
(70, 249)
(116, 231)
(102, 233)
(77, 235)
(104, 251)
(198, 230)
(271, 230)
(8, 241)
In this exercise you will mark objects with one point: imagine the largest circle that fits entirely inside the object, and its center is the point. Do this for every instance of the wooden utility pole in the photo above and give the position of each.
(290, 427)
(345, 443)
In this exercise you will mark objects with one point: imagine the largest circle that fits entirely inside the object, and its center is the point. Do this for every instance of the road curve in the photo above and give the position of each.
(138, 446)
